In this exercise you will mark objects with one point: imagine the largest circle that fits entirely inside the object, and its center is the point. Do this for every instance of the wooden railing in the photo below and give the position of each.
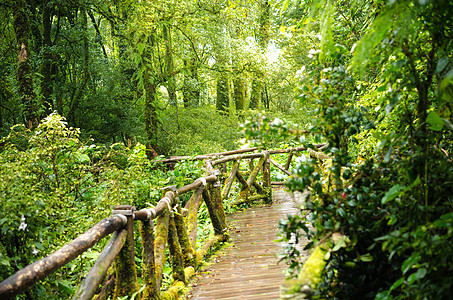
(166, 223)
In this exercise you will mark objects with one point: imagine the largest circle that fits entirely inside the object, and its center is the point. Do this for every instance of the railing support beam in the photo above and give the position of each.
(126, 274)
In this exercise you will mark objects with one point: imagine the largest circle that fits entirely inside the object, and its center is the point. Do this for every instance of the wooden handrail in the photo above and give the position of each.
(88, 287)
(170, 226)
(29, 275)
(205, 156)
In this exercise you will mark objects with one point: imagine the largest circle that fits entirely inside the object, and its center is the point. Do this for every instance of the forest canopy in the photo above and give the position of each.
(92, 89)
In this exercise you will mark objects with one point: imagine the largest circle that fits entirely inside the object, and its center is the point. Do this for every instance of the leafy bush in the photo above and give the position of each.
(197, 131)
(387, 187)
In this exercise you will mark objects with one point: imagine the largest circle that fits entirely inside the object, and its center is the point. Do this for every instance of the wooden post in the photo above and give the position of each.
(159, 245)
(192, 220)
(126, 274)
(177, 259)
(97, 273)
(213, 200)
(188, 252)
(162, 224)
(245, 192)
(148, 265)
(288, 162)
(229, 181)
(267, 177)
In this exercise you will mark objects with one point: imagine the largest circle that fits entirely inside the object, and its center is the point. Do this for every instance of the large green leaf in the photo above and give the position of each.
(435, 121)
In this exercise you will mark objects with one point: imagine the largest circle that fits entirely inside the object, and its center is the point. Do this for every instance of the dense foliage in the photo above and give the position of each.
(383, 94)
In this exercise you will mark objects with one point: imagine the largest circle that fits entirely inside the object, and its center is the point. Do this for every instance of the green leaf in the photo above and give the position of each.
(385, 295)
(340, 244)
(5, 262)
(392, 193)
(408, 263)
(366, 257)
(396, 284)
(441, 64)
(421, 273)
(435, 121)
(388, 154)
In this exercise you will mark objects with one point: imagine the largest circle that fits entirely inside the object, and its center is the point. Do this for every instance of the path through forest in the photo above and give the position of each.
(248, 269)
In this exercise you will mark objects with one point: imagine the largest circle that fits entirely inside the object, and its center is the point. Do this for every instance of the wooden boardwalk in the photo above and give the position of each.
(248, 269)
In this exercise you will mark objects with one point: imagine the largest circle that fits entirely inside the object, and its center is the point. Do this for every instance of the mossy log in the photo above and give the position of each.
(188, 251)
(311, 274)
(210, 244)
(318, 154)
(266, 171)
(309, 277)
(242, 181)
(206, 156)
(148, 264)
(43, 267)
(173, 292)
(161, 234)
(213, 200)
(90, 284)
(126, 274)
(177, 258)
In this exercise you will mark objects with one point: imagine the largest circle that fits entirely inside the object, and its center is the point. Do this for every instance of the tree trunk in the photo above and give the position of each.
(191, 92)
(255, 99)
(24, 78)
(223, 101)
(151, 121)
(169, 66)
(46, 66)
(263, 40)
(85, 69)
(239, 93)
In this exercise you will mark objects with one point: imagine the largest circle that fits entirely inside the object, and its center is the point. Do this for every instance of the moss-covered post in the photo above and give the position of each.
(160, 241)
(288, 162)
(188, 252)
(219, 211)
(177, 259)
(244, 194)
(149, 268)
(214, 203)
(192, 220)
(126, 274)
(251, 165)
(267, 177)
(161, 232)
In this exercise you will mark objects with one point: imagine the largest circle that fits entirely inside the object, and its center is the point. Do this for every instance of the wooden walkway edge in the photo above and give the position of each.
(248, 268)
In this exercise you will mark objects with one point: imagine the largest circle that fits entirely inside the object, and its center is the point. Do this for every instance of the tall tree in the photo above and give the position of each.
(47, 59)
(262, 37)
(24, 73)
